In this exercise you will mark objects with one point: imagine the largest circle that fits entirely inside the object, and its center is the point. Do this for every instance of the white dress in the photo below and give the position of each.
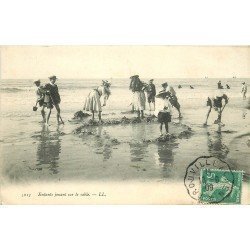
(139, 100)
(93, 100)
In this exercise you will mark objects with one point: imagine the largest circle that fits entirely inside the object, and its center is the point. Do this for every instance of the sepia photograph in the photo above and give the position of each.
(125, 124)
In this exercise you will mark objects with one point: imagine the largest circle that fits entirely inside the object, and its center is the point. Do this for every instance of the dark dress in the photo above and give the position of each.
(52, 96)
(164, 117)
(216, 102)
(151, 92)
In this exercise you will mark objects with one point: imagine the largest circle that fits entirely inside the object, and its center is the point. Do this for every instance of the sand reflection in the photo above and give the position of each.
(49, 149)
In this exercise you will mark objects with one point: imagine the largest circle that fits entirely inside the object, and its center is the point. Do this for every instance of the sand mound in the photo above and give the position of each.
(80, 115)
(107, 122)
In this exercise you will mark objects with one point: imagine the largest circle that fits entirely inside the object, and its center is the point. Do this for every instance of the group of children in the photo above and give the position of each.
(48, 96)
(167, 95)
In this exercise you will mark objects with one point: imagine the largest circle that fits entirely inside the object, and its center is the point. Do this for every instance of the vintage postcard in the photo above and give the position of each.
(125, 125)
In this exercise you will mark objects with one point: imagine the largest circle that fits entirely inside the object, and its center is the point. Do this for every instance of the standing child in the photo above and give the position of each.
(164, 115)
(172, 97)
(244, 90)
(139, 99)
(52, 98)
(40, 98)
(151, 92)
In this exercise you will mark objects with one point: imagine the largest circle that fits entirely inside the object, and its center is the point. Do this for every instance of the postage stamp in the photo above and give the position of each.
(221, 186)
(192, 179)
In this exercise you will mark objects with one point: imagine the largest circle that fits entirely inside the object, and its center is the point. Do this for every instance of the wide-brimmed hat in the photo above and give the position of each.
(36, 82)
(162, 94)
(151, 80)
(134, 76)
(243, 83)
(53, 77)
(164, 84)
(106, 83)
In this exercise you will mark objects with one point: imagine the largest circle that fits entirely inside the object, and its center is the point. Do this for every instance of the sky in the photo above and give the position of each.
(78, 62)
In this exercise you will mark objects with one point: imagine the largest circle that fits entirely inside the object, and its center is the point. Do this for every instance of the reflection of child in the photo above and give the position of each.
(164, 115)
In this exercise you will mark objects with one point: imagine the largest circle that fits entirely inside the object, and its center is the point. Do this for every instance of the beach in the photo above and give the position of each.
(34, 153)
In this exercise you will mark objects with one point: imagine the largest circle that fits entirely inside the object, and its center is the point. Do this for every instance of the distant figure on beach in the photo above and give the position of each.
(216, 102)
(228, 87)
(151, 92)
(52, 98)
(173, 98)
(191, 87)
(179, 86)
(219, 85)
(93, 100)
(139, 99)
(164, 115)
(40, 98)
(244, 90)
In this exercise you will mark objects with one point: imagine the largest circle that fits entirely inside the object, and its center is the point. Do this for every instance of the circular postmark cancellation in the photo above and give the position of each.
(199, 174)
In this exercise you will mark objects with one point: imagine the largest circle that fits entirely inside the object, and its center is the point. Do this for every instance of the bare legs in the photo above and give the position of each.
(179, 111)
(219, 115)
(218, 120)
(48, 116)
(99, 115)
(58, 113)
(208, 113)
(58, 117)
(43, 114)
(151, 106)
(140, 113)
(166, 127)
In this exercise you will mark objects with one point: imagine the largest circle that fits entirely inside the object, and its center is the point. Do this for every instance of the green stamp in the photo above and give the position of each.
(221, 186)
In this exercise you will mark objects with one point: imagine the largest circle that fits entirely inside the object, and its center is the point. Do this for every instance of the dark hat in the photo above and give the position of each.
(36, 82)
(134, 76)
(164, 84)
(53, 77)
(243, 83)
(162, 94)
(151, 80)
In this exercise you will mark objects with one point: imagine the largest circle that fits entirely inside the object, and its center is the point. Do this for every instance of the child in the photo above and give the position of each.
(151, 92)
(216, 102)
(93, 100)
(40, 98)
(52, 98)
(244, 90)
(164, 115)
(173, 98)
(139, 99)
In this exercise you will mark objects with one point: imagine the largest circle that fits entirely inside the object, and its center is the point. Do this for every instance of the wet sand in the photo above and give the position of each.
(81, 150)
(121, 149)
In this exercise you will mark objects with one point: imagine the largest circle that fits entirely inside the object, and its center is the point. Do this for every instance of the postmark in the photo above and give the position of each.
(221, 186)
(192, 179)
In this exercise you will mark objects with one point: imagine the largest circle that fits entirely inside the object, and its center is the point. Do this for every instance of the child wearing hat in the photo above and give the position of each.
(52, 98)
(151, 92)
(40, 98)
(173, 98)
(93, 100)
(164, 115)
